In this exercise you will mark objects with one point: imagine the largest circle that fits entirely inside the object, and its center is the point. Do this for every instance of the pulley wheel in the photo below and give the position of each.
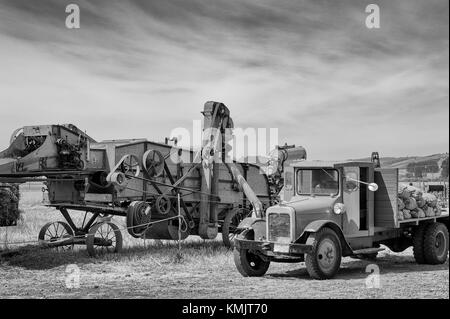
(131, 166)
(163, 205)
(138, 217)
(153, 162)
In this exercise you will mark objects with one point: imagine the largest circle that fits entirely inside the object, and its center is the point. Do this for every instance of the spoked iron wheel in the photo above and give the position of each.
(104, 238)
(230, 224)
(54, 232)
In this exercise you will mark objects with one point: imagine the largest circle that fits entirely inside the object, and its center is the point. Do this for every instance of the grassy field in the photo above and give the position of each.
(205, 269)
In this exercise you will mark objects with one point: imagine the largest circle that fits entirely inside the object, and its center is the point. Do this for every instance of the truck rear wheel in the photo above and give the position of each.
(418, 244)
(435, 244)
(325, 259)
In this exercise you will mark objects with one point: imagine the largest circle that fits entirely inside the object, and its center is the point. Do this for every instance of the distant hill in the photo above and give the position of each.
(411, 168)
(431, 167)
(403, 162)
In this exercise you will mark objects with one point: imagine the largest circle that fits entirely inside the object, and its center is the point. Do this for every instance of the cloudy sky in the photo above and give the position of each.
(309, 68)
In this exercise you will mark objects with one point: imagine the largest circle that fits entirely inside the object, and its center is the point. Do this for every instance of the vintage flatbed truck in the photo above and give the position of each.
(331, 210)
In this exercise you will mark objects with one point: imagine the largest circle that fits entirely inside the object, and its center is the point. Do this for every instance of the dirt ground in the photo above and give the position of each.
(207, 271)
(153, 269)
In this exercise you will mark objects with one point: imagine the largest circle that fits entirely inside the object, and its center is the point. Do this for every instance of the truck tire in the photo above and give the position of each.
(418, 244)
(325, 259)
(248, 263)
(436, 244)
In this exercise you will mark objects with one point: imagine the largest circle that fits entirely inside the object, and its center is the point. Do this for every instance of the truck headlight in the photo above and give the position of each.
(339, 208)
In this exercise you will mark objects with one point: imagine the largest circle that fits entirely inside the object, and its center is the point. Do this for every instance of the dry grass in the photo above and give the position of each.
(205, 269)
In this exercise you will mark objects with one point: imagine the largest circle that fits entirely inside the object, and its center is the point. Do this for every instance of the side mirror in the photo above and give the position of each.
(373, 187)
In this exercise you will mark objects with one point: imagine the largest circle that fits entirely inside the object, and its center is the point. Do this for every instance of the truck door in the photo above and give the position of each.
(351, 220)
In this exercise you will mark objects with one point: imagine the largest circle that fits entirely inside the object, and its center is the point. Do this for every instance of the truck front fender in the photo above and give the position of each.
(255, 228)
(317, 225)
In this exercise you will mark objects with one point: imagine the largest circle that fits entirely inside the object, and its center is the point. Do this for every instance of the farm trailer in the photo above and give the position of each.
(331, 210)
(140, 180)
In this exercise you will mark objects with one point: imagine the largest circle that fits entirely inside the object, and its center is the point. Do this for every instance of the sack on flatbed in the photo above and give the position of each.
(417, 213)
(406, 214)
(400, 204)
(403, 192)
(437, 210)
(430, 199)
(410, 203)
(429, 212)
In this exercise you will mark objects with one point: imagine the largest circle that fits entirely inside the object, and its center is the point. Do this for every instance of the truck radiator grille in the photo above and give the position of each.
(279, 227)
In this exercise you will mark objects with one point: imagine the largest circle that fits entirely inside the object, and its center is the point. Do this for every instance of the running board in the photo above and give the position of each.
(367, 251)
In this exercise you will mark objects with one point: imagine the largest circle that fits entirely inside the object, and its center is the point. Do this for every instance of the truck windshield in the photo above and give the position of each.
(317, 182)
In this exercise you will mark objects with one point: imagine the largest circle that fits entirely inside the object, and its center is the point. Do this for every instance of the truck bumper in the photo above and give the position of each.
(273, 249)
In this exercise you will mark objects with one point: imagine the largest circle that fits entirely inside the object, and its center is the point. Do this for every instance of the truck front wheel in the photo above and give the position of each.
(325, 259)
(250, 264)
(436, 244)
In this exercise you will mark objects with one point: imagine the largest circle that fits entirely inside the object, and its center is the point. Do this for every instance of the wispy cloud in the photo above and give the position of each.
(310, 68)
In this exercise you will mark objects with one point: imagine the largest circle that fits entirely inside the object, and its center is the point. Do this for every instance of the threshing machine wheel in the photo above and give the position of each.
(54, 232)
(153, 162)
(104, 238)
(325, 259)
(163, 204)
(230, 224)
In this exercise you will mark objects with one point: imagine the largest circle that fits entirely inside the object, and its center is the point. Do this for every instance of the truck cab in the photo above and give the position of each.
(330, 210)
